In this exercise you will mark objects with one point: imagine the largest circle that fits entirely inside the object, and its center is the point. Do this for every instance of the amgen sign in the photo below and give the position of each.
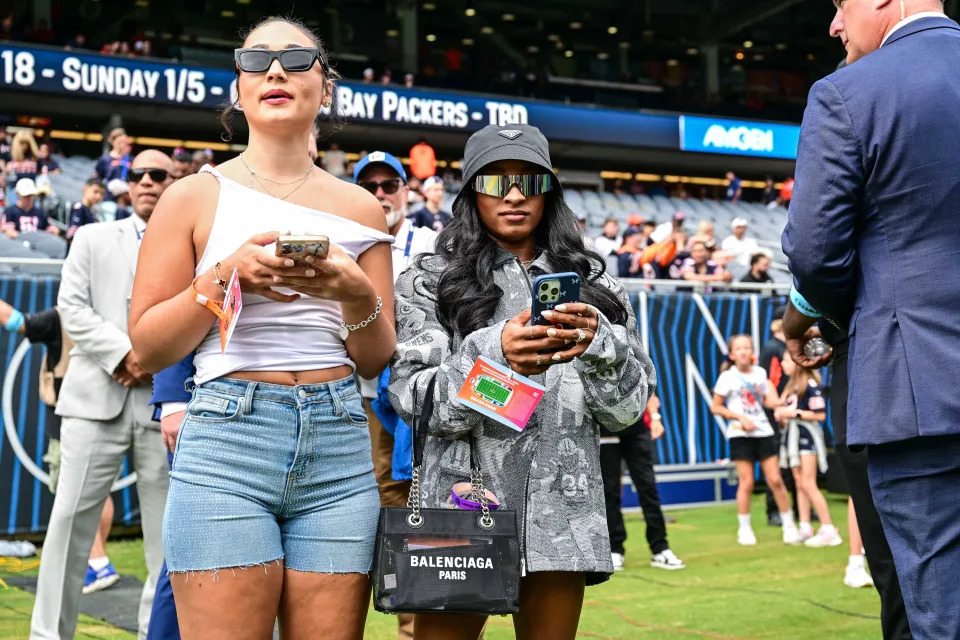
(709, 135)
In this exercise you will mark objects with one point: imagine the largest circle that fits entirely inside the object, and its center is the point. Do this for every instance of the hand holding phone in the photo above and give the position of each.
(298, 247)
(552, 289)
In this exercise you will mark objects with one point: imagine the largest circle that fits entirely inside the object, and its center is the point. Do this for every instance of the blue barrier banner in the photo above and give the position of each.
(91, 75)
(737, 137)
(25, 499)
(684, 334)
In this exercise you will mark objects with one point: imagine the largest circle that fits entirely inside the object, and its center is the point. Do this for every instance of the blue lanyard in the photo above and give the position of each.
(406, 251)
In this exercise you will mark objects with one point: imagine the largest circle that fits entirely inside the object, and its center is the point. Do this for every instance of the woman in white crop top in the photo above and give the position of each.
(272, 467)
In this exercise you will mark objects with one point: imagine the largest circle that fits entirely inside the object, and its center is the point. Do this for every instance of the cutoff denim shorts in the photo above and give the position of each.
(264, 472)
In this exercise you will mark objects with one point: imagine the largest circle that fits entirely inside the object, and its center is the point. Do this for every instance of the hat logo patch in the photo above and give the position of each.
(377, 156)
(510, 134)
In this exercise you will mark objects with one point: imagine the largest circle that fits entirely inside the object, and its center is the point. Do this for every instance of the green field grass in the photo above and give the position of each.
(727, 591)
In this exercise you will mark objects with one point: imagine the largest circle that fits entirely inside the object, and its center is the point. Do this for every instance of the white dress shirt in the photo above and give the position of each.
(909, 19)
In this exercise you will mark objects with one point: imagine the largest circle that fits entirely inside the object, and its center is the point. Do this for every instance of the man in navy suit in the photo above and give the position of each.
(873, 238)
(170, 397)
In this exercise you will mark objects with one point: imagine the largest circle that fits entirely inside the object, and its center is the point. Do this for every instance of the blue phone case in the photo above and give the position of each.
(552, 289)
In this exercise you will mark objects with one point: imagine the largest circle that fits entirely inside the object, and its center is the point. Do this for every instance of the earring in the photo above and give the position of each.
(237, 107)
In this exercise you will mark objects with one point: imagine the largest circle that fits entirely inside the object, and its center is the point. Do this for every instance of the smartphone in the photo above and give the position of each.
(299, 247)
(552, 289)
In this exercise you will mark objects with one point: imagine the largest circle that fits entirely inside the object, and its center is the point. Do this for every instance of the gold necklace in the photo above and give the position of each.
(253, 176)
(252, 172)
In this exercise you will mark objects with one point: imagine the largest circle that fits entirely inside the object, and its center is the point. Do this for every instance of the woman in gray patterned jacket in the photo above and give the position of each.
(472, 298)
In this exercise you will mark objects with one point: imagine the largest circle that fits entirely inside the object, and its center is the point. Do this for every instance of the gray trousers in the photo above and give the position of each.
(92, 454)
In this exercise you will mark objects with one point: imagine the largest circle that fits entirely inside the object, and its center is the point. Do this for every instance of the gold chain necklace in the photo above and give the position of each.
(253, 176)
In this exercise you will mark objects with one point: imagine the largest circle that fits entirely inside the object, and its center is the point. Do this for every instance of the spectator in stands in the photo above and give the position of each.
(82, 213)
(45, 161)
(182, 165)
(646, 228)
(636, 221)
(334, 161)
(120, 190)
(114, 164)
(635, 447)
(368, 75)
(738, 244)
(387, 77)
(660, 190)
(786, 192)
(700, 268)
(618, 187)
(423, 160)
(78, 41)
(705, 234)
(24, 154)
(8, 30)
(629, 254)
(25, 216)
(6, 147)
(416, 192)
(432, 215)
(408, 81)
(665, 229)
(769, 192)
(734, 189)
(759, 269)
(198, 159)
(609, 241)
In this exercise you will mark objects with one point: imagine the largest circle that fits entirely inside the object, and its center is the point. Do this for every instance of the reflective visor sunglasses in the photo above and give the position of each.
(532, 184)
(292, 60)
(157, 175)
(389, 187)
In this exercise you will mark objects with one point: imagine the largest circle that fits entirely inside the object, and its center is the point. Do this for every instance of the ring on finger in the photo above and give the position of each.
(581, 336)
(530, 331)
(539, 363)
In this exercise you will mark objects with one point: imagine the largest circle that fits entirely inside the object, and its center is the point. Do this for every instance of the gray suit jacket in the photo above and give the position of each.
(94, 303)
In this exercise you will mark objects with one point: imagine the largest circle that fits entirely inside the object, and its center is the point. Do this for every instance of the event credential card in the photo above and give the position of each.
(500, 394)
(232, 304)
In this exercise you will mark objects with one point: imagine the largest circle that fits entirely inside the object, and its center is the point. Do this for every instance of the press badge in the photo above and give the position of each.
(232, 304)
(500, 394)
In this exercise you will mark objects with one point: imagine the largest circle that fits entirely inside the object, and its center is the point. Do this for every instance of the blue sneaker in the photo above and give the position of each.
(100, 580)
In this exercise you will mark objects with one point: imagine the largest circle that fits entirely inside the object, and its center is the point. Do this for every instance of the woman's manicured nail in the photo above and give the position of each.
(547, 314)
(310, 273)
(556, 358)
(552, 332)
(561, 308)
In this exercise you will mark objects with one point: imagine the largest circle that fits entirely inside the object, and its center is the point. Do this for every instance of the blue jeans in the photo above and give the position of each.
(264, 472)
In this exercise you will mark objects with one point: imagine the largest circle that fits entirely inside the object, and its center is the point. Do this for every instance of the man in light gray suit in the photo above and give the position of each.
(104, 402)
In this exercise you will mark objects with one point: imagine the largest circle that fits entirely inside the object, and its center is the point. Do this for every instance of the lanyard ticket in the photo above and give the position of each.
(500, 394)
(232, 304)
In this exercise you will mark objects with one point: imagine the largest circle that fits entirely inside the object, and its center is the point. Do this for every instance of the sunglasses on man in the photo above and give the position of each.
(292, 60)
(157, 175)
(532, 184)
(389, 187)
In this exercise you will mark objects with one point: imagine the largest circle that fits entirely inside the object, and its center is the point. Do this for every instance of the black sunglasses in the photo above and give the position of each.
(389, 187)
(157, 175)
(292, 60)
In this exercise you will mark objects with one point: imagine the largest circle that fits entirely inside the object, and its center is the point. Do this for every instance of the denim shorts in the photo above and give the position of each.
(264, 472)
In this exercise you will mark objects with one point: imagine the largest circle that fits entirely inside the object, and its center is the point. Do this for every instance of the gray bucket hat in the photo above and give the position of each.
(509, 142)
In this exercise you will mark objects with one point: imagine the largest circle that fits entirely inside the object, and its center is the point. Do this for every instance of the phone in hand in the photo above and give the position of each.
(552, 289)
(299, 247)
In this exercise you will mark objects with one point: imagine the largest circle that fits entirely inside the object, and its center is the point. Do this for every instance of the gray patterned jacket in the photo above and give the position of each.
(549, 473)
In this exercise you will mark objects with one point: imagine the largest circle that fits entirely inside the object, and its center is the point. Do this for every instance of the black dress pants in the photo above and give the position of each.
(636, 449)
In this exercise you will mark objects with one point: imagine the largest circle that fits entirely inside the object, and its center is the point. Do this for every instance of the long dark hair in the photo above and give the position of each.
(466, 294)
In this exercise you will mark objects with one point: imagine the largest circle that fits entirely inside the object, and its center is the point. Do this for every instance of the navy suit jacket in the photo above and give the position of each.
(873, 236)
(168, 385)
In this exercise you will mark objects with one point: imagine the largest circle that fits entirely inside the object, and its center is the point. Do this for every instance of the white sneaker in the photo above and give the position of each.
(746, 537)
(826, 537)
(617, 561)
(857, 577)
(805, 532)
(791, 535)
(668, 560)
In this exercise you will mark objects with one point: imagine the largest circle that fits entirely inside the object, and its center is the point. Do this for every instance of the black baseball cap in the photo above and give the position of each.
(509, 142)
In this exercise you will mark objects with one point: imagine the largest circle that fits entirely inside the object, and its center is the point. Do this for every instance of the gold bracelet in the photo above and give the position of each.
(219, 281)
